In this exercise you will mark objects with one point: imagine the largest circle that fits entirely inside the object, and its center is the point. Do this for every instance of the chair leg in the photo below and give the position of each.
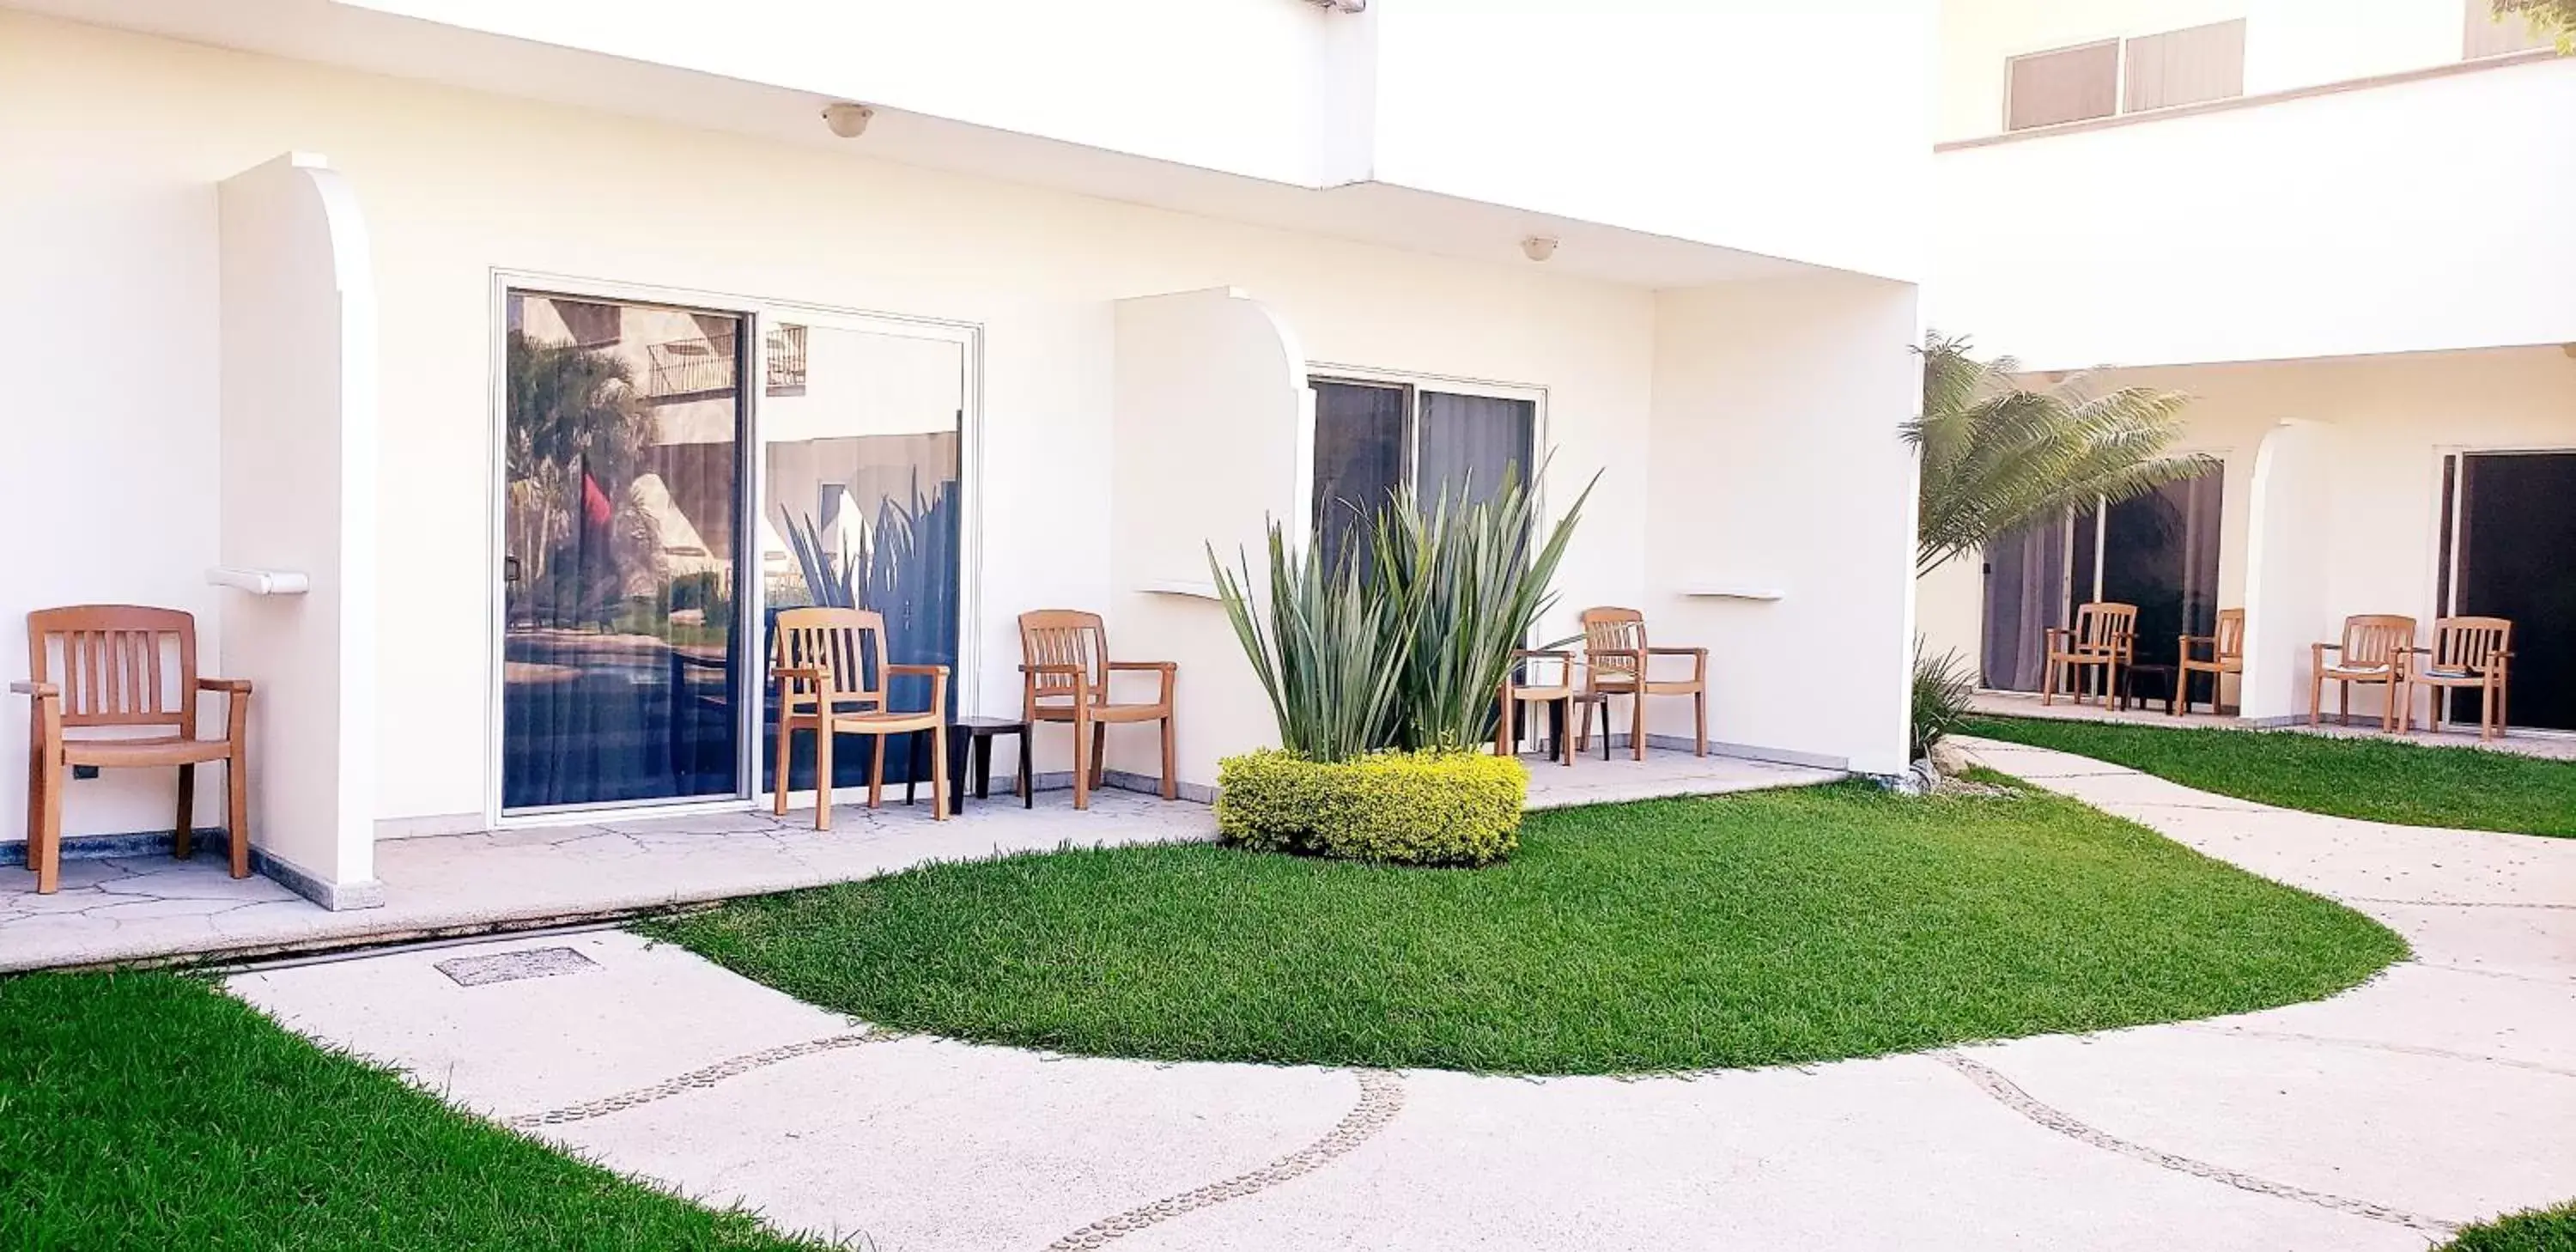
(1637, 718)
(2343, 714)
(2316, 699)
(2047, 683)
(823, 776)
(1171, 760)
(778, 765)
(183, 833)
(237, 809)
(1699, 721)
(1099, 755)
(876, 775)
(1081, 762)
(45, 833)
(1564, 723)
(939, 781)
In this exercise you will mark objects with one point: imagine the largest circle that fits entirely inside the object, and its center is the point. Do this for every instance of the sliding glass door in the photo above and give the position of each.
(2158, 551)
(634, 626)
(862, 496)
(620, 429)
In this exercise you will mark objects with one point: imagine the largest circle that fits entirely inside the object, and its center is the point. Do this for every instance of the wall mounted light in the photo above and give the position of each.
(1538, 247)
(847, 120)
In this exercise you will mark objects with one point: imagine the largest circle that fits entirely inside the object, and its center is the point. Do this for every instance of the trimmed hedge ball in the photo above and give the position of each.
(1401, 808)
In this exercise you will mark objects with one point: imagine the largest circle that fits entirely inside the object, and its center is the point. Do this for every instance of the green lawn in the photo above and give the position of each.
(2541, 1230)
(1748, 930)
(147, 1110)
(2380, 780)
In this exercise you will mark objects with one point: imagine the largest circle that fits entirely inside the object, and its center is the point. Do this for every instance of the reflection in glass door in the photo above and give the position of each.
(621, 424)
(861, 497)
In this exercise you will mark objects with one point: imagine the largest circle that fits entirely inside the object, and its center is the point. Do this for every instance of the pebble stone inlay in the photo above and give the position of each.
(2011, 1096)
(476, 971)
(694, 1080)
(1381, 1098)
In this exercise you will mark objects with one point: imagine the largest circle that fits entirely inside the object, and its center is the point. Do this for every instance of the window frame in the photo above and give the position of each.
(1415, 385)
(2120, 74)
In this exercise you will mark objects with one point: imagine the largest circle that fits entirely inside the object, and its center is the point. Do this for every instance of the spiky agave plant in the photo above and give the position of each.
(1329, 649)
(1997, 456)
(1479, 578)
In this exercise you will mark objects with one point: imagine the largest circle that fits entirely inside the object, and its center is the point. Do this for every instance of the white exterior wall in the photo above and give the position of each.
(1235, 85)
(1210, 443)
(2384, 424)
(1725, 123)
(2419, 216)
(457, 185)
(1778, 466)
(296, 494)
(1680, 120)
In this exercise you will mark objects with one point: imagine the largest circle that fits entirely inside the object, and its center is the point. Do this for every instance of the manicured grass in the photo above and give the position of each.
(2540, 1230)
(1746, 930)
(147, 1110)
(2380, 780)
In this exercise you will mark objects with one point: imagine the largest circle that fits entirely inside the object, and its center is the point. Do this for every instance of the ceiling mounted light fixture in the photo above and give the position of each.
(1539, 247)
(848, 120)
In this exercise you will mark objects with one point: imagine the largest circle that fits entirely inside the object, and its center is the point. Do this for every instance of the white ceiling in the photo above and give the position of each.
(1369, 212)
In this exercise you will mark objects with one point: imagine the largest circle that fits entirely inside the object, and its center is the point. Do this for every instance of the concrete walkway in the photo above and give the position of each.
(125, 909)
(2440, 1093)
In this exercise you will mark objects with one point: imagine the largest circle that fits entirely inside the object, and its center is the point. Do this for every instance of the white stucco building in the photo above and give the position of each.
(1095, 286)
(2342, 228)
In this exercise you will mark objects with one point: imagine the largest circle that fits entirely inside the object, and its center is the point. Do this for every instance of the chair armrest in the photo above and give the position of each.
(1678, 651)
(36, 690)
(1144, 665)
(2327, 647)
(229, 686)
(918, 671)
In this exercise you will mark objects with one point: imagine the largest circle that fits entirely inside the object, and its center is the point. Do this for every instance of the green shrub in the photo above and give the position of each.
(1407, 808)
(1943, 687)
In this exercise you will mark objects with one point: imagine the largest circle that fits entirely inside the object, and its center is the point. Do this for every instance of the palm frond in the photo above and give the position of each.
(1996, 455)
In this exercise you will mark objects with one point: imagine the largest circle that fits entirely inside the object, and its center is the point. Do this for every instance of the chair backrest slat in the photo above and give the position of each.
(1608, 631)
(120, 664)
(2371, 640)
(2105, 625)
(2472, 644)
(1065, 637)
(847, 645)
(2231, 634)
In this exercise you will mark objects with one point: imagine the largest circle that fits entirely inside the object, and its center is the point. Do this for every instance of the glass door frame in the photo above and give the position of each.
(750, 659)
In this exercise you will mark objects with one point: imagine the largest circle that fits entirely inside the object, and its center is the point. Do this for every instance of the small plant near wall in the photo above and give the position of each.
(1382, 676)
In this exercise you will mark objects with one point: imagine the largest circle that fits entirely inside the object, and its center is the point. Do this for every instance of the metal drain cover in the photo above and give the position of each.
(475, 971)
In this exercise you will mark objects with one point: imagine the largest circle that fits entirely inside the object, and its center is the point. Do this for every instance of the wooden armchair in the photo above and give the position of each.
(1064, 673)
(1617, 661)
(2377, 650)
(822, 663)
(2470, 652)
(2103, 639)
(115, 674)
(1545, 679)
(2226, 656)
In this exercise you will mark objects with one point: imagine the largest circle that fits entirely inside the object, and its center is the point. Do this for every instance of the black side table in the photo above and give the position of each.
(970, 745)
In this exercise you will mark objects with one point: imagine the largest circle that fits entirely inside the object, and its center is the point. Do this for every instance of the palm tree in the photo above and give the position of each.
(574, 416)
(1998, 456)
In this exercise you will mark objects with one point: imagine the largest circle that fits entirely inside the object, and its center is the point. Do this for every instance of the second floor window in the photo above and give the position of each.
(2132, 75)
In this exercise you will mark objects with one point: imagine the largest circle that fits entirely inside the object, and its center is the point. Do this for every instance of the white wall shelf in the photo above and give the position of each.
(1727, 591)
(1195, 589)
